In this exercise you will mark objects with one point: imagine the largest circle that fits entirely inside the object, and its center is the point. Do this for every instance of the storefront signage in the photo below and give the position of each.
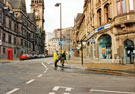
(92, 40)
(103, 27)
(97, 30)
(0, 42)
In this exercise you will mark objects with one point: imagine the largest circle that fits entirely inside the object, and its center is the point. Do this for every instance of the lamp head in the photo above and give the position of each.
(57, 4)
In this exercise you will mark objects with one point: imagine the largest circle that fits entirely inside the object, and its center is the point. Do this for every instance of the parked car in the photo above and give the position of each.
(24, 57)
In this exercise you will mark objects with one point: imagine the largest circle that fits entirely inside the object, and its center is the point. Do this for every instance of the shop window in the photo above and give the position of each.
(105, 50)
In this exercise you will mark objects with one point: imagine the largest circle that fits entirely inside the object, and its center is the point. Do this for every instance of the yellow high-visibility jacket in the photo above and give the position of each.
(55, 56)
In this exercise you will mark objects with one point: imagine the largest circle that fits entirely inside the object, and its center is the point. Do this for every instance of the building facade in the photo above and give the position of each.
(53, 45)
(109, 29)
(19, 33)
(66, 33)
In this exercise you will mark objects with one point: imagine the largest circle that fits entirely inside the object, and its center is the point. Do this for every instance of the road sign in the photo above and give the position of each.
(0, 42)
(61, 43)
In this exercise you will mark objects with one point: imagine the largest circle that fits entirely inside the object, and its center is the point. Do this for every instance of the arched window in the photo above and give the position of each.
(99, 17)
(106, 9)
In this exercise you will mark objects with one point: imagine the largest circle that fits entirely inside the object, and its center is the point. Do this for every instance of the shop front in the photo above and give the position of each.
(129, 52)
(105, 47)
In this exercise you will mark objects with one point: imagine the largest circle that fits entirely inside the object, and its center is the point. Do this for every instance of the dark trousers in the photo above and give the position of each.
(55, 63)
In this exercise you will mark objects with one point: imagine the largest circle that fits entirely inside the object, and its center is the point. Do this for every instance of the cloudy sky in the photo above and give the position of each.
(70, 8)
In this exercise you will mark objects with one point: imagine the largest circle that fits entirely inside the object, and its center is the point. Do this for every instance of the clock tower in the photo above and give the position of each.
(37, 7)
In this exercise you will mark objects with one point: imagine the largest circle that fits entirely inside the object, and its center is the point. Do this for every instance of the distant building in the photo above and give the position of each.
(66, 33)
(49, 36)
(53, 45)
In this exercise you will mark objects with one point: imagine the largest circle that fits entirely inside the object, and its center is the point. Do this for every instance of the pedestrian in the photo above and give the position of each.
(63, 58)
(55, 58)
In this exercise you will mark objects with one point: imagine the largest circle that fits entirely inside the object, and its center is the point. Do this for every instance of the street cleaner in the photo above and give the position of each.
(55, 58)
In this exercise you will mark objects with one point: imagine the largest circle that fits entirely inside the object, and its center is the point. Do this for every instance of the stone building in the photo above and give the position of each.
(66, 33)
(53, 45)
(110, 30)
(8, 31)
(19, 33)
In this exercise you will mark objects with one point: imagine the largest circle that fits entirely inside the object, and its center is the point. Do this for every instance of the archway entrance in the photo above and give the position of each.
(128, 51)
(105, 50)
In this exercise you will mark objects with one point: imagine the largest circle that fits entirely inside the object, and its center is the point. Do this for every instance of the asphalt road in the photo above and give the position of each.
(40, 77)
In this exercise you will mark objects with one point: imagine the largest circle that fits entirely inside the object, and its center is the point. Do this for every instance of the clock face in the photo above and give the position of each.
(36, 13)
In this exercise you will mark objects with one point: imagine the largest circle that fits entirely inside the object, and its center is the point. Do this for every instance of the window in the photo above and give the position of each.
(14, 40)
(21, 42)
(4, 50)
(9, 39)
(106, 12)
(15, 51)
(0, 15)
(4, 20)
(131, 5)
(124, 8)
(119, 7)
(22, 30)
(99, 17)
(10, 24)
(15, 27)
(4, 37)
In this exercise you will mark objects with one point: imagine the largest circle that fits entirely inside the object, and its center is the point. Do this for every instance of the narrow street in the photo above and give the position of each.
(40, 77)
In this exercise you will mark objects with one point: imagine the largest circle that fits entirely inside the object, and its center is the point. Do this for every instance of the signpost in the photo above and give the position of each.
(61, 43)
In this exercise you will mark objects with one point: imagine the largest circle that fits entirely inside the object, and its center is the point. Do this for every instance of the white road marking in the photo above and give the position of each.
(40, 75)
(107, 91)
(45, 71)
(52, 93)
(30, 81)
(45, 66)
(12, 91)
(56, 88)
(68, 89)
(66, 93)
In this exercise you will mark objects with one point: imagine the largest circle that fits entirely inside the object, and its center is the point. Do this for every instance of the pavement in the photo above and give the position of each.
(108, 68)
(3, 61)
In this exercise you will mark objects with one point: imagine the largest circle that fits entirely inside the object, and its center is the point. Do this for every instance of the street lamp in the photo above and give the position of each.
(60, 5)
(69, 43)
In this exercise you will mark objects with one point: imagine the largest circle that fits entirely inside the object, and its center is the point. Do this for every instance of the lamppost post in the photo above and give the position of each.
(60, 5)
